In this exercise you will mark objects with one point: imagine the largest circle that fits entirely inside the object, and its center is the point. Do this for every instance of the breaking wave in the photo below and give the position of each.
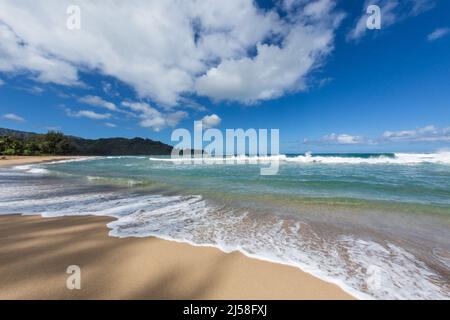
(363, 267)
(394, 158)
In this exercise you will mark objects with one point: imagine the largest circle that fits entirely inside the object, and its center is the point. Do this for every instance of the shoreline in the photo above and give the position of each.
(316, 288)
(36, 251)
(10, 161)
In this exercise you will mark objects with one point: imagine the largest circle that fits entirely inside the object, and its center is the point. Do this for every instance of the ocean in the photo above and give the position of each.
(377, 225)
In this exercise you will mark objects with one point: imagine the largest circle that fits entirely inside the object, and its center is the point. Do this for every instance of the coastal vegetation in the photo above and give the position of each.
(52, 143)
(19, 143)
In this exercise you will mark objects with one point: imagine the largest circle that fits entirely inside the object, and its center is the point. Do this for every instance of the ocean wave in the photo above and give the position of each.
(31, 169)
(364, 268)
(72, 160)
(37, 167)
(397, 158)
(125, 157)
(119, 181)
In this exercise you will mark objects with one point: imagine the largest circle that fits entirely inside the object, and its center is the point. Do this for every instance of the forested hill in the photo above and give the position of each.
(13, 142)
(15, 133)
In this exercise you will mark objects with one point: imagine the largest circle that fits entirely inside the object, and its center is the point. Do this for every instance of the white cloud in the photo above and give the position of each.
(167, 49)
(87, 114)
(392, 11)
(344, 139)
(153, 118)
(340, 139)
(275, 69)
(13, 117)
(111, 125)
(17, 56)
(99, 102)
(428, 133)
(438, 33)
(211, 121)
(2, 82)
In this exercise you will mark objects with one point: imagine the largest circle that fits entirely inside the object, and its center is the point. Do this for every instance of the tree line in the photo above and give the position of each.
(52, 143)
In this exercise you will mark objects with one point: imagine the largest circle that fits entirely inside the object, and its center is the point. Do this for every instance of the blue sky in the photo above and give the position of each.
(355, 90)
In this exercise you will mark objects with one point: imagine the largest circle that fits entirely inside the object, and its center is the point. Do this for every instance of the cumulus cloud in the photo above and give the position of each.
(99, 102)
(438, 33)
(13, 117)
(270, 74)
(87, 114)
(275, 69)
(153, 118)
(392, 11)
(225, 50)
(428, 133)
(17, 56)
(342, 139)
(210, 121)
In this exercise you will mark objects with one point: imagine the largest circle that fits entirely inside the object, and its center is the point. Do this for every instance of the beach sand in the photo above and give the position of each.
(35, 252)
(6, 161)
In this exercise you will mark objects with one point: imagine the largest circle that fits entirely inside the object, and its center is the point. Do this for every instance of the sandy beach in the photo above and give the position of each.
(6, 161)
(36, 251)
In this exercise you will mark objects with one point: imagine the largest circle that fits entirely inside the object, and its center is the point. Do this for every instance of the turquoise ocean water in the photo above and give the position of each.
(378, 225)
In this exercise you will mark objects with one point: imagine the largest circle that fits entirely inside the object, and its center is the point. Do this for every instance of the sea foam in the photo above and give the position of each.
(348, 261)
(398, 158)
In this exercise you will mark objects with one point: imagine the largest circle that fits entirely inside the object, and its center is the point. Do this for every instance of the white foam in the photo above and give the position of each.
(73, 160)
(399, 159)
(31, 169)
(37, 167)
(344, 260)
(22, 167)
(38, 171)
(125, 157)
(197, 222)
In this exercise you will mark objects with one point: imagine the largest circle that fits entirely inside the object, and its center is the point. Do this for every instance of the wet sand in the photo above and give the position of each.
(35, 253)
(6, 161)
